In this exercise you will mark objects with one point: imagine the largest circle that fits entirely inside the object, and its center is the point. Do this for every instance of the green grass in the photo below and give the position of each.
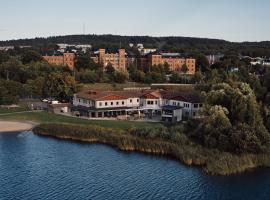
(12, 110)
(108, 86)
(44, 117)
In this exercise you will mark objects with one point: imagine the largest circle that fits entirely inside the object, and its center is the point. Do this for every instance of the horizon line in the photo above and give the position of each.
(124, 35)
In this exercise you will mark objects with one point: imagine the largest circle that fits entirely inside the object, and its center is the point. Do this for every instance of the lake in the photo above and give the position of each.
(34, 167)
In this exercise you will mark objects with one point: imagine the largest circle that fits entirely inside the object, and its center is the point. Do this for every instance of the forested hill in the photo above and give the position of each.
(178, 44)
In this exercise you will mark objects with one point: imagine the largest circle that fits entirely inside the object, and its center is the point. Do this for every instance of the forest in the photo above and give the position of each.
(173, 44)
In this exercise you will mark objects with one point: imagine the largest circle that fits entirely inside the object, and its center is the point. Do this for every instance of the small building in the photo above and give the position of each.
(171, 114)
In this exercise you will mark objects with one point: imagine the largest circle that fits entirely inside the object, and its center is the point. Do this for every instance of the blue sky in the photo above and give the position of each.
(234, 20)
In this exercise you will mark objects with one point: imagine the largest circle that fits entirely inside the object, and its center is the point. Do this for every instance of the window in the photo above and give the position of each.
(100, 103)
(123, 102)
(106, 103)
(195, 105)
(130, 100)
(117, 103)
(150, 102)
(111, 103)
(156, 102)
(138, 100)
(79, 100)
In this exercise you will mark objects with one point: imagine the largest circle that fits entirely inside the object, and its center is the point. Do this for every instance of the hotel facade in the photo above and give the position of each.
(165, 105)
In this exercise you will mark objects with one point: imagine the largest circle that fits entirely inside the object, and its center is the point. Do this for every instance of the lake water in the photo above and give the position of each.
(33, 167)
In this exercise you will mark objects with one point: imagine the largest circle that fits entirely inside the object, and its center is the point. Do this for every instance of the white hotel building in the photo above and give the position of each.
(169, 106)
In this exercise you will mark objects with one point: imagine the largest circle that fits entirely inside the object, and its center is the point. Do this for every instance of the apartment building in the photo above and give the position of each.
(175, 62)
(67, 59)
(117, 60)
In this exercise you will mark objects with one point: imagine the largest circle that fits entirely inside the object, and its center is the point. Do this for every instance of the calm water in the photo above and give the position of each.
(33, 167)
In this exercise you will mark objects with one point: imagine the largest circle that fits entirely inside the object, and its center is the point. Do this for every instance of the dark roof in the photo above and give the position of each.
(191, 97)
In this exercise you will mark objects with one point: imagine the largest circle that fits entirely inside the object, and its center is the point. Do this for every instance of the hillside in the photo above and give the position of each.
(178, 44)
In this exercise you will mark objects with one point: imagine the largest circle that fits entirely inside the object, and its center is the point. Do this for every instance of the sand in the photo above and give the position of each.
(14, 126)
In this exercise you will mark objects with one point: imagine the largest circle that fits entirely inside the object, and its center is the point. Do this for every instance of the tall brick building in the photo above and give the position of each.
(118, 60)
(175, 62)
(67, 59)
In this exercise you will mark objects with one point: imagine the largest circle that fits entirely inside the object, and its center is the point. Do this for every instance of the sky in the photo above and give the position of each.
(233, 20)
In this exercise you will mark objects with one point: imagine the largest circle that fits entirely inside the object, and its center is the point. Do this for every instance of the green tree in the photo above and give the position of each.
(31, 56)
(59, 85)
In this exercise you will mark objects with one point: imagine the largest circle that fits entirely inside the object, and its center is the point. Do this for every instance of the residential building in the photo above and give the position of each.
(117, 60)
(67, 59)
(174, 61)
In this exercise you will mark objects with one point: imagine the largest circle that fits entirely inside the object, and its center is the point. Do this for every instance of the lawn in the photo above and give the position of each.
(44, 117)
(12, 110)
(108, 86)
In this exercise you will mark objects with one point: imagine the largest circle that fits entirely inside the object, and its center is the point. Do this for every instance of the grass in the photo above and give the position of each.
(12, 110)
(108, 86)
(44, 117)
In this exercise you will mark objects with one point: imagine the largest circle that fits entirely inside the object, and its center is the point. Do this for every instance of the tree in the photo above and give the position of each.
(109, 69)
(184, 69)
(233, 121)
(10, 92)
(166, 67)
(4, 57)
(31, 56)
(202, 63)
(59, 85)
(84, 61)
(120, 77)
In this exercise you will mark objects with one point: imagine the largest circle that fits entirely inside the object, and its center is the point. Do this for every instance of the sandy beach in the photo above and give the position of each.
(14, 126)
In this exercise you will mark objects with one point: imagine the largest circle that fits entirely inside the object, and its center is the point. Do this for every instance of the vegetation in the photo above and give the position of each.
(162, 141)
(177, 44)
(45, 117)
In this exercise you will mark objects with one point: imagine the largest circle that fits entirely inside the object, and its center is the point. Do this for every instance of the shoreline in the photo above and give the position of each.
(16, 126)
(212, 162)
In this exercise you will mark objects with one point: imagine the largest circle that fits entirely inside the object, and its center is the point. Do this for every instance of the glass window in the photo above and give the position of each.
(100, 103)
(106, 103)
(111, 103)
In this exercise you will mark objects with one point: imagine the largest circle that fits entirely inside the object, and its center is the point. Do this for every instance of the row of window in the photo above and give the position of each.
(152, 102)
(116, 103)
(112, 103)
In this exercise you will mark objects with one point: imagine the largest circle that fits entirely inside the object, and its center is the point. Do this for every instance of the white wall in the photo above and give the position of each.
(82, 102)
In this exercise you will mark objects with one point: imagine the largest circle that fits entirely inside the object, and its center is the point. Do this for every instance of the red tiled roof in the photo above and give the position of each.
(112, 98)
(150, 96)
